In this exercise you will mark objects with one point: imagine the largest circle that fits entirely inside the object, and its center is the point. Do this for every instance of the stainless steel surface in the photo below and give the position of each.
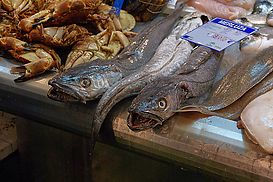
(29, 99)
(211, 144)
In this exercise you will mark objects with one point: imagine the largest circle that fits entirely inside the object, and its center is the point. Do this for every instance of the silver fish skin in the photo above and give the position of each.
(159, 100)
(256, 43)
(139, 52)
(234, 110)
(169, 57)
(237, 82)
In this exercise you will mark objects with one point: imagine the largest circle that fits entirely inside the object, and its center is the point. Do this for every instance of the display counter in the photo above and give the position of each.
(53, 137)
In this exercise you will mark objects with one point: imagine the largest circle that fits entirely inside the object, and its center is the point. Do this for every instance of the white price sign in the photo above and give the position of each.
(218, 34)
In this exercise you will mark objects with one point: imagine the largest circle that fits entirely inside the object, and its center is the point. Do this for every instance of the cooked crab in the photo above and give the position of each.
(38, 58)
(104, 45)
(58, 36)
(106, 20)
(62, 13)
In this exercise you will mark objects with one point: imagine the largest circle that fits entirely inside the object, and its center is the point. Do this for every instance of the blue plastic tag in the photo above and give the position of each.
(218, 34)
(117, 6)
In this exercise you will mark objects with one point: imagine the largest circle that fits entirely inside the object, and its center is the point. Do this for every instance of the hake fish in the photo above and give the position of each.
(238, 81)
(169, 57)
(89, 81)
(159, 100)
(234, 110)
(256, 43)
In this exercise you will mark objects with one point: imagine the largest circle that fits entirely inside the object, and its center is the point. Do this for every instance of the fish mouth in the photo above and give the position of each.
(138, 122)
(58, 93)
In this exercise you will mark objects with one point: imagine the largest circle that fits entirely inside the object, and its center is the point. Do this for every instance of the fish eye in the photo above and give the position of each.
(85, 82)
(162, 103)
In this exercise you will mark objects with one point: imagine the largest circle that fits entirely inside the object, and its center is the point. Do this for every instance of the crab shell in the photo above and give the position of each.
(63, 13)
(104, 45)
(58, 36)
(16, 5)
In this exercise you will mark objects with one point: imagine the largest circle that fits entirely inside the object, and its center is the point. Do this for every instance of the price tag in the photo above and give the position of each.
(117, 6)
(218, 34)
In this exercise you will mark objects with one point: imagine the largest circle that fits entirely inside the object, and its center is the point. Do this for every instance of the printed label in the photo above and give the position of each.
(218, 34)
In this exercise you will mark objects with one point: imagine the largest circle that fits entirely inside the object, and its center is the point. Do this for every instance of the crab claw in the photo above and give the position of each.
(32, 69)
(61, 13)
(11, 43)
(27, 24)
(38, 58)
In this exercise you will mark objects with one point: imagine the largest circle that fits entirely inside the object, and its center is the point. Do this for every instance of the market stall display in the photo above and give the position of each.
(112, 63)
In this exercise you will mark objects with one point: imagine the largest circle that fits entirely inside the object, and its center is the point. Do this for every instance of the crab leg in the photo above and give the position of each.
(59, 36)
(62, 13)
(32, 69)
(11, 43)
(38, 58)
(27, 24)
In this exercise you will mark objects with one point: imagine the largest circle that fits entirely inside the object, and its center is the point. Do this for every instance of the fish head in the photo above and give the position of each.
(255, 43)
(251, 43)
(155, 104)
(83, 83)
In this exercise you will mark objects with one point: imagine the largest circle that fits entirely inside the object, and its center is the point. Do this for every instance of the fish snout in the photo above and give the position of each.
(51, 81)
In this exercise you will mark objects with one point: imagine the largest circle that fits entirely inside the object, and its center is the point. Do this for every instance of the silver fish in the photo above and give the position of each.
(89, 81)
(169, 57)
(238, 81)
(159, 99)
(234, 110)
(256, 43)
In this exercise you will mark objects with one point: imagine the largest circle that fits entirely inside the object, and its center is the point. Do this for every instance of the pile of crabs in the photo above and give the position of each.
(32, 31)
